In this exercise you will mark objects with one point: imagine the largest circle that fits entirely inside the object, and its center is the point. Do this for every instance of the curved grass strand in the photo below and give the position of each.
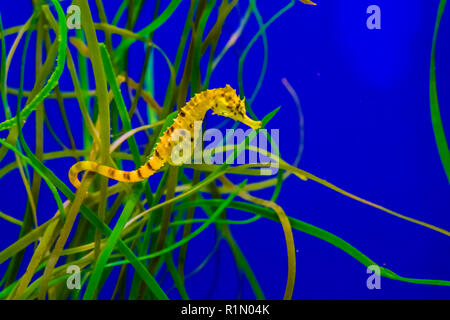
(120, 103)
(304, 175)
(265, 51)
(323, 235)
(197, 55)
(119, 12)
(287, 230)
(233, 39)
(250, 45)
(53, 80)
(438, 129)
(3, 84)
(8, 218)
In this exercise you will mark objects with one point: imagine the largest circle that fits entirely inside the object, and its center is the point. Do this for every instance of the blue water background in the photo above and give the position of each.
(364, 96)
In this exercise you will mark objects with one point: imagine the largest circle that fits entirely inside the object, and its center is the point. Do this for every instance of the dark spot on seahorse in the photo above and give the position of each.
(126, 175)
(157, 154)
(191, 125)
(111, 172)
(182, 113)
(171, 128)
(149, 166)
(139, 173)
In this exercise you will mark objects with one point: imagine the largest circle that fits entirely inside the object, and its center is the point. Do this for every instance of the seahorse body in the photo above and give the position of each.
(222, 101)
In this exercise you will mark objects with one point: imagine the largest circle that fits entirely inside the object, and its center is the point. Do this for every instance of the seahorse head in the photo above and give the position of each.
(229, 104)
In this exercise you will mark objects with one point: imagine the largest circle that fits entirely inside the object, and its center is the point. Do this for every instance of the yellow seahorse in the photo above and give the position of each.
(223, 101)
